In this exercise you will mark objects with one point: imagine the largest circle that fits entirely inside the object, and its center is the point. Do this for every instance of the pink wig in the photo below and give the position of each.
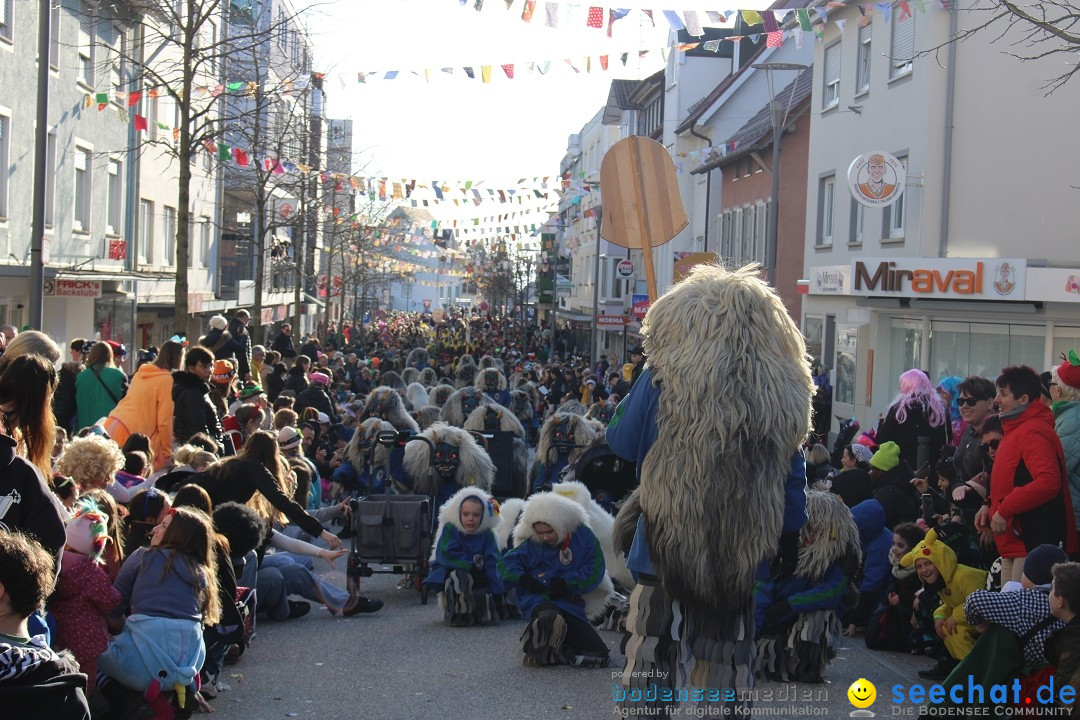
(915, 387)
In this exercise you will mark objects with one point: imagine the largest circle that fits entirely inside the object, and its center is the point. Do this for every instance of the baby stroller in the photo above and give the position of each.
(610, 478)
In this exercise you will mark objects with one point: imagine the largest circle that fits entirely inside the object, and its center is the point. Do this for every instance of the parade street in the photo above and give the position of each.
(405, 662)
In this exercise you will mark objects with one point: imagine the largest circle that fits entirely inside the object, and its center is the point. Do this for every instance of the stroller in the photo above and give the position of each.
(610, 478)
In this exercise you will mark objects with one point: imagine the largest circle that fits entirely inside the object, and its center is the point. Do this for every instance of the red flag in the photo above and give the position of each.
(509, 70)
(905, 10)
(134, 97)
(527, 11)
(596, 17)
(603, 61)
(774, 39)
(140, 123)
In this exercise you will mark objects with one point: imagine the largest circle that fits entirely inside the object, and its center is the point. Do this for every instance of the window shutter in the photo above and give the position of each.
(864, 33)
(832, 63)
(903, 40)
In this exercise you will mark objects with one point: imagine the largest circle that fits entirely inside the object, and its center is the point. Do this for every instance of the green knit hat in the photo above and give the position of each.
(887, 457)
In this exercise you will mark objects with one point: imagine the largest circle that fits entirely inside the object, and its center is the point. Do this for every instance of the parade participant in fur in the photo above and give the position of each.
(465, 374)
(714, 424)
(496, 418)
(522, 406)
(409, 375)
(384, 403)
(418, 358)
(465, 559)
(428, 378)
(459, 462)
(555, 450)
(493, 384)
(393, 381)
(487, 361)
(603, 526)
(798, 618)
(461, 404)
(557, 567)
(426, 416)
(601, 410)
(416, 396)
(366, 473)
(439, 394)
(574, 407)
(509, 512)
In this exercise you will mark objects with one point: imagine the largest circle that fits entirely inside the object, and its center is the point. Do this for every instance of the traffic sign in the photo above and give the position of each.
(640, 306)
(625, 269)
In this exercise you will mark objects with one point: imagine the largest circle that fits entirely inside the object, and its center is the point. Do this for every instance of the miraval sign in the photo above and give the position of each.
(971, 279)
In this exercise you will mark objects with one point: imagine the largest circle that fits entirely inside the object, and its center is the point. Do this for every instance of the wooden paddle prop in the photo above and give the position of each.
(641, 203)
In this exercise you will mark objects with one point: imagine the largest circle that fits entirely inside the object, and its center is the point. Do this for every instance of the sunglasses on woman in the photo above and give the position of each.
(992, 445)
(969, 401)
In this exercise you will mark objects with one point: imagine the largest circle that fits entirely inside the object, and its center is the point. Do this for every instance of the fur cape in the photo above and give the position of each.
(483, 375)
(603, 526)
(507, 420)
(509, 512)
(734, 407)
(417, 356)
(439, 394)
(409, 375)
(626, 523)
(426, 416)
(428, 377)
(392, 380)
(830, 533)
(450, 514)
(580, 430)
(474, 469)
(564, 516)
(521, 405)
(464, 360)
(465, 375)
(572, 406)
(365, 435)
(416, 396)
(488, 361)
(385, 403)
(452, 411)
(602, 410)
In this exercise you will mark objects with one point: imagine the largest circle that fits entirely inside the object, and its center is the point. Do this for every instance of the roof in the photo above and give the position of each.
(757, 132)
(618, 100)
(698, 109)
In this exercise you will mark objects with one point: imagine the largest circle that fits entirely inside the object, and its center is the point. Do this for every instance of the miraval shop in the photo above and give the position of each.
(871, 320)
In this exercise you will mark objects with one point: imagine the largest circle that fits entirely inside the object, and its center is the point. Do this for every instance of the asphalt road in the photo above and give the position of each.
(404, 663)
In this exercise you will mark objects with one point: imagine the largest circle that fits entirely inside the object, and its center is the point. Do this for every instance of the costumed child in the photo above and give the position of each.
(558, 437)
(84, 595)
(935, 562)
(171, 591)
(798, 617)
(557, 566)
(465, 560)
(891, 627)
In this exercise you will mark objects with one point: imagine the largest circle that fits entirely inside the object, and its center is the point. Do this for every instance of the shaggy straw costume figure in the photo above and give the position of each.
(365, 471)
(459, 462)
(714, 423)
(465, 374)
(521, 405)
(461, 404)
(439, 394)
(493, 383)
(555, 450)
(385, 403)
(416, 396)
(418, 358)
(428, 378)
(496, 418)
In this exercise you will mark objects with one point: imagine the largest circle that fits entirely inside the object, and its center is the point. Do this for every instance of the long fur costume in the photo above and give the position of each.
(509, 513)
(465, 375)
(426, 416)
(603, 526)
(452, 411)
(522, 407)
(573, 407)
(475, 467)
(417, 356)
(602, 411)
(488, 361)
(483, 375)
(392, 380)
(564, 516)
(439, 394)
(356, 452)
(385, 403)
(735, 406)
(409, 375)
(457, 596)
(581, 432)
(416, 396)
(428, 377)
(478, 422)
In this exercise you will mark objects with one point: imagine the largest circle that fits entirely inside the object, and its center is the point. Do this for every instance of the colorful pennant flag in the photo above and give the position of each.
(596, 17)
(528, 10)
(774, 39)
(140, 123)
(751, 17)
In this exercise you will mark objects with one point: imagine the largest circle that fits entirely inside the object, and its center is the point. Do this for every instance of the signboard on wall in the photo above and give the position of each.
(831, 280)
(611, 322)
(640, 306)
(59, 287)
(962, 279)
(876, 179)
(1053, 285)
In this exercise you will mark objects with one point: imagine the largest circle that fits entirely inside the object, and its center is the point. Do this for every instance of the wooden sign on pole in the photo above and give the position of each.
(642, 206)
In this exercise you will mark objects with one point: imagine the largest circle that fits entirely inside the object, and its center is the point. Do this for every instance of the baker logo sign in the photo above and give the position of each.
(1004, 279)
(72, 288)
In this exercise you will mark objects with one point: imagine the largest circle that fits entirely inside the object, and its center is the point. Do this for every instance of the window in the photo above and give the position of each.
(893, 216)
(116, 64)
(758, 168)
(54, 34)
(826, 194)
(190, 241)
(86, 46)
(50, 178)
(760, 220)
(903, 44)
(169, 233)
(862, 82)
(204, 240)
(747, 250)
(146, 230)
(5, 19)
(857, 213)
(959, 348)
(616, 281)
(727, 241)
(211, 47)
(113, 220)
(5, 162)
(831, 94)
(83, 165)
(747, 169)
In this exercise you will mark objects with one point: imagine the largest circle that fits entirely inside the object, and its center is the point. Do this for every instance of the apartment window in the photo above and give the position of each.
(760, 220)
(748, 167)
(831, 93)
(54, 33)
(146, 230)
(204, 240)
(858, 213)
(86, 45)
(616, 281)
(169, 235)
(863, 73)
(212, 47)
(5, 19)
(83, 165)
(191, 241)
(116, 193)
(746, 253)
(758, 168)
(116, 64)
(50, 178)
(903, 44)
(5, 161)
(826, 196)
(893, 216)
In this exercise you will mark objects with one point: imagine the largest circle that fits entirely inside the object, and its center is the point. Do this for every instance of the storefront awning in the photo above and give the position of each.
(574, 317)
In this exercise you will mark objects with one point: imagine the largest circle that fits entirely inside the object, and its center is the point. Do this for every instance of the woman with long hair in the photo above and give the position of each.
(148, 406)
(99, 387)
(258, 470)
(27, 384)
(916, 412)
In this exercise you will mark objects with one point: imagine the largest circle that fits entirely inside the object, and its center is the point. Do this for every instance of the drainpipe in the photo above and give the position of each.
(946, 169)
(708, 186)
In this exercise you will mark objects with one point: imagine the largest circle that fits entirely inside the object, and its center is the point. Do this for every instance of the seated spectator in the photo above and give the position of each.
(890, 483)
(891, 625)
(818, 465)
(1063, 648)
(852, 483)
(876, 541)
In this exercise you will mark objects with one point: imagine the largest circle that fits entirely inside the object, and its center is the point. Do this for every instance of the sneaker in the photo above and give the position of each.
(360, 604)
(940, 671)
(298, 609)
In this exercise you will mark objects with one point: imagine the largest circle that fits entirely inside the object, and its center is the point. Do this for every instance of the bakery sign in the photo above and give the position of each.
(964, 279)
(876, 179)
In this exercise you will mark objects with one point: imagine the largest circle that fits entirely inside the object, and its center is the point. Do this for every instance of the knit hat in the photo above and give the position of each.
(319, 378)
(862, 453)
(289, 438)
(223, 372)
(250, 391)
(1069, 369)
(1038, 562)
(218, 322)
(887, 457)
(88, 530)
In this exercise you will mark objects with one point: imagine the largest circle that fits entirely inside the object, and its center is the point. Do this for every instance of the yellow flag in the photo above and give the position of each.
(485, 73)
(751, 17)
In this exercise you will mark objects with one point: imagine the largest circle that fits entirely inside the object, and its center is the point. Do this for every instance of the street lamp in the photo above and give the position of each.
(779, 114)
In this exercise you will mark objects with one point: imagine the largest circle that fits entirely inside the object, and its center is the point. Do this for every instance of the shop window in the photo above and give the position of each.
(905, 350)
(965, 349)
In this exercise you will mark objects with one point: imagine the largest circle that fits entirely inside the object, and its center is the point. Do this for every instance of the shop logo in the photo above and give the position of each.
(1072, 284)
(1004, 278)
(888, 278)
(862, 695)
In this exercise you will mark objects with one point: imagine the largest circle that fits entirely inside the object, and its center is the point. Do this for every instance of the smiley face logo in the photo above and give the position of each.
(862, 693)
